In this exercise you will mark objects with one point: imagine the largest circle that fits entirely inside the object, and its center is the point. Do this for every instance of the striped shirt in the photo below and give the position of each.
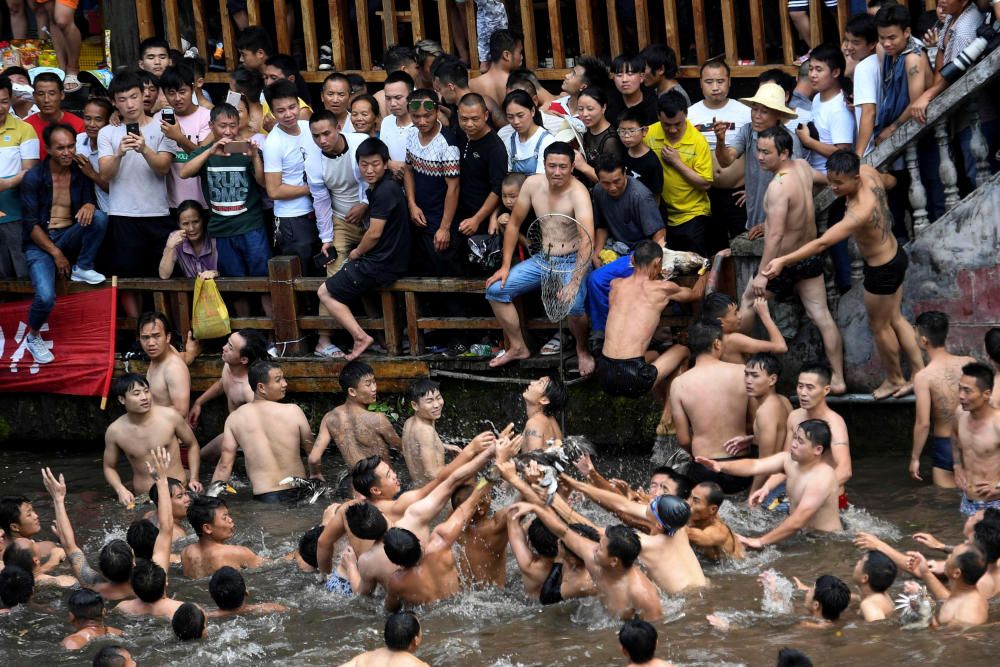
(432, 165)
(18, 142)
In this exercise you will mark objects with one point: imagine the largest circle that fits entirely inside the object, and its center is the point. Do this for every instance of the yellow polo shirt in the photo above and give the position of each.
(683, 201)
(18, 142)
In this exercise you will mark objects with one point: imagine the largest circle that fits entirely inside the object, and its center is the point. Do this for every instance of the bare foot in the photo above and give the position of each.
(585, 362)
(359, 347)
(903, 391)
(509, 356)
(838, 386)
(886, 389)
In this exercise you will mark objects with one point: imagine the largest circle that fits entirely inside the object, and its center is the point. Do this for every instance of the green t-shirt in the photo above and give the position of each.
(232, 193)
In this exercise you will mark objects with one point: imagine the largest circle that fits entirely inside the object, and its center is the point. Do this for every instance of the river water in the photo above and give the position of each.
(498, 628)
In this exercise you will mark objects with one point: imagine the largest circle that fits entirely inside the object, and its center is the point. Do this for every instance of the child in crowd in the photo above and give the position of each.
(641, 162)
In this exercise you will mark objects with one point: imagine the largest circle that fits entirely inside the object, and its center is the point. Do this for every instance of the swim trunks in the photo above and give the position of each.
(783, 285)
(842, 502)
(970, 507)
(886, 278)
(631, 378)
(941, 453)
(729, 484)
(777, 500)
(551, 592)
(288, 496)
(337, 584)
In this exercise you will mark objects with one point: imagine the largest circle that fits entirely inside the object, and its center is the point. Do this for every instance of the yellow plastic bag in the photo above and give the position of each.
(209, 316)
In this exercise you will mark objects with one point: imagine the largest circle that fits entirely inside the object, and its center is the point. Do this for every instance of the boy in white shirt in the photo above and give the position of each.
(861, 40)
(392, 131)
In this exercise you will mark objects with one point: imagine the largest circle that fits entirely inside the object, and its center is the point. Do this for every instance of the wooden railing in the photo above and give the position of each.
(587, 26)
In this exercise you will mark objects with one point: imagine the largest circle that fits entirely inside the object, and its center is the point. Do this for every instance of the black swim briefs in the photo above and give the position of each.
(286, 496)
(783, 285)
(631, 378)
(729, 484)
(886, 278)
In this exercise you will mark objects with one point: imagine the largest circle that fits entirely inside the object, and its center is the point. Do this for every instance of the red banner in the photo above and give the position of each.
(80, 333)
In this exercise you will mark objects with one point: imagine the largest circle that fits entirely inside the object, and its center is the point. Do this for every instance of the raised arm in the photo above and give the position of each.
(577, 543)
(611, 501)
(425, 509)
(449, 530)
(85, 574)
(334, 529)
(158, 465)
(518, 539)
(476, 446)
(747, 467)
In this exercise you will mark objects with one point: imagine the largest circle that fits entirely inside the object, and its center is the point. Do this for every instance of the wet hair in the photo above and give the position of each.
(172, 484)
(684, 483)
(558, 148)
(307, 545)
(254, 346)
(282, 89)
(972, 564)
(633, 115)
(933, 325)
(363, 476)
(623, 543)
(141, 536)
(660, 56)
(518, 179)
(992, 343)
(765, 361)
(201, 511)
(503, 40)
(715, 306)
(819, 369)
(399, 76)
(461, 494)
(176, 77)
(715, 63)
(555, 391)
(452, 71)
(833, 596)
(52, 129)
(647, 252)
(396, 57)
(987, 536)
(18, 556)
(817, 432)
(522, 99)
(17, 585)
(583, 530)
(671, 103)
(715, 495)
(366, 521)
(103, 103)
(893, 15)
(151, 317)
(149, 581)
(628, 64)
(881, 571)
(115, 561)
(248, 82)
(254, 38)
(124, 384)
(862, 25)
(110, 656)
(981, 373)
(227, 588)
(85, 605)
(844, 162)
(153, 43)
(10, 512)
(124, 82)
(701, 337)
(260, 372)
(402, 547)
(371, 147)
(781, 137)
(188, 622)
(223, 109)
(638, 638)
(401, 629)
(352, 373)
(792, 657)
(372, 102)
(780, 77)
(542, 540)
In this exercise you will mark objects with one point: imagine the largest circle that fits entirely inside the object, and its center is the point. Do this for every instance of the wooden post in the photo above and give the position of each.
(253, 12)
(614, 30)
(585, 27)
(670, 19)
(417, 22)
(123, 21)
(200, 38)
(757, 29)
(787, 39)
(337, 34)
(284, 37)
(555, 27)
(393, 333)
(843, 13)
(815, 22)
(641, 23)
(729, 33)
(444, 25)
(413, 330)
(364, 39)
(700, 35)
(528, 27)
(470, 30)
(173, 20)
(144, 9)
(228, 38)
(282, 273)
(309, 35)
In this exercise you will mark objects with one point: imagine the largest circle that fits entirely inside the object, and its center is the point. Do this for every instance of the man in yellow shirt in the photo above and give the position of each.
(687, 174)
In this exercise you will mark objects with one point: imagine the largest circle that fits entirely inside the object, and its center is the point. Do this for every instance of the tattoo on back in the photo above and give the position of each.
(881, 216)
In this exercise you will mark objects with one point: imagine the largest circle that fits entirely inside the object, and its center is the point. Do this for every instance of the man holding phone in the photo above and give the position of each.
(187, 124)
(231, 173)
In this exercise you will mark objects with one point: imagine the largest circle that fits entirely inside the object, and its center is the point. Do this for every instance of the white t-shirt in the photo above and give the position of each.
(530, 148)
(285, 154)
(835, 124)
(136, 190)
(195, 127)
(550, 122)
(83, 148)
(735, 112)
(336, 183)
(394, 136)
(867, 90)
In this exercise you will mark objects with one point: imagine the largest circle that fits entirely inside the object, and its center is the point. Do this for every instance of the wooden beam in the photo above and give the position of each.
(123, 21)
(528, 28)
(729, 32)
(815, 22)
(641, 23)
(757, 30)
(555, 27)
(200, 37)
(788, 39)
(393, 330)
(843, 13)
(253, 12)
(389, 32)
(670, 21)
(417, 22)
(228, 43)
(445, 27)
(700, 32)
(585, 27)
(614, 30)
(470, 29)
(364, 38)
(308, 17)
(337, 34)
(283, 271)
(144, 11)
(280, 27)
(173, 20)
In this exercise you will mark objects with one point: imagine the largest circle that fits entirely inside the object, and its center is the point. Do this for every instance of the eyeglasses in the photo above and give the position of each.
(427, 105)
(629, 131)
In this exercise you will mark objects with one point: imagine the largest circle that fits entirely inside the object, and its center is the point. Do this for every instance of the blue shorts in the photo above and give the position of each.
(337, 584)
(243, 256)
(527, 277)
(941, 453)
(970, 507)
(777, 500)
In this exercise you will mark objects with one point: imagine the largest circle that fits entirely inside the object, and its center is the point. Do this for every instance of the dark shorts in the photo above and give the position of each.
(783, 285)
(941, 453)
(137, 245)
(887, 278)
(337, 584)
(284, 496)
(691, 235)
(357, 279)
(631, 378)
(729, 484)
(551, 592)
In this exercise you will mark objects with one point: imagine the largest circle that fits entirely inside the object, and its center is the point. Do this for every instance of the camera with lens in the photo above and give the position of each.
(987, 39)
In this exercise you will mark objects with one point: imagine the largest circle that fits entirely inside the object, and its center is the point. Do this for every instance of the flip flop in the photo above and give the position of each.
(331, 351)
(552, 347)
(71, 83)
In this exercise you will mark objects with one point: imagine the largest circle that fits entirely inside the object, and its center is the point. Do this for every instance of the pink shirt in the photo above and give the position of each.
(195, 127)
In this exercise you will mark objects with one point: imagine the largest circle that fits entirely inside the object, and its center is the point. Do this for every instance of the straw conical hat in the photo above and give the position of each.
(772, 96)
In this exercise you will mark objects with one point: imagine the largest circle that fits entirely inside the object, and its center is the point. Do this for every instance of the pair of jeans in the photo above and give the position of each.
(244, 255)
(527, 277)
(84, 242)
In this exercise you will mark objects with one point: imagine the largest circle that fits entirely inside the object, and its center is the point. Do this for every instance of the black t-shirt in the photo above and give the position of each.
(646, 170)
(483, 167)
(386, 201)
(616, 105)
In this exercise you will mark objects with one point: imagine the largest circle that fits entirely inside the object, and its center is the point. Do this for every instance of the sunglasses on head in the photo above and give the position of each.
(427, 105)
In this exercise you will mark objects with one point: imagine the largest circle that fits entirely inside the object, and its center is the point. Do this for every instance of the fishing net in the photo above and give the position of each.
(564, 247)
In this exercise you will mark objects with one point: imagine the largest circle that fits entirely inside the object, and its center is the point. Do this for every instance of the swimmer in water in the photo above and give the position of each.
(639, 640)
(423, 449)
(19, 553)
(213, 525)
(168, 375)
(114, 656)
(17, 586)
(543, 399)
(19, 519)
(962, 604)
(229, 591)
(708, 533)
(483, 541)
(402, 639)
(86, 614)
(536, 551)
(357, 431)
(976, 444)
(180, 500)
(874, 573)
(719, 308)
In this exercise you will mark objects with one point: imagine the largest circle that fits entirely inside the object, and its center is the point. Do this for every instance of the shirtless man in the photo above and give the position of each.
(86, 613)
(179, 501)
(626, 366)
(545, 578)
(357, 432)
(976, 445)
(18, 519)
(168, 374)
(962, 604)
(709, 406)
(241, 350)
(812, 484)
(543, 399)
(402, 639)
(868, 219)
(874, 573)
(143, 428)
(423, 449)
(719, 308)
(992, 344)
(270, 434)
(638, 641)
(936, 389)
(506, 55)
(709, 534)
(483, 541)
(213, 525)
(770, 410)
(790, 224)
(556, 191)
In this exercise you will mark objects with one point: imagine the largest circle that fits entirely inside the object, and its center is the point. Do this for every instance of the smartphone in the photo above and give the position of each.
(133, 128)
(321, 260)
(236, 147)
(167, 114)
(233, 99)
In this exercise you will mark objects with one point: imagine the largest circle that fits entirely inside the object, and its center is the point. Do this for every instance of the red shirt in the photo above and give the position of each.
(35, 121)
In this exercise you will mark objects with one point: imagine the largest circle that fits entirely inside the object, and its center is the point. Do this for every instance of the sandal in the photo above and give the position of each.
(331, 351)
(552, 347)
(71, 83)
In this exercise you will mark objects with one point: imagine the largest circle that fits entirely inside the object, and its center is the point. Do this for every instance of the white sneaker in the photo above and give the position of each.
(39, 350)
(88, 276)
